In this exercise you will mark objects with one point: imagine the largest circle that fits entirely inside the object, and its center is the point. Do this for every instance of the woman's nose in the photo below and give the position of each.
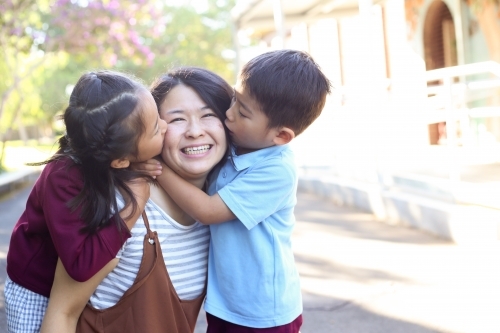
(195, 129)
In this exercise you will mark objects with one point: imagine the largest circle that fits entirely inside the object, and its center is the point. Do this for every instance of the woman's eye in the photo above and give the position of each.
(210, 115)
(176, 119)
(241, 114)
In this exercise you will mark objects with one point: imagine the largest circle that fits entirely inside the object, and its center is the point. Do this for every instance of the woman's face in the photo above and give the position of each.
(195, 140)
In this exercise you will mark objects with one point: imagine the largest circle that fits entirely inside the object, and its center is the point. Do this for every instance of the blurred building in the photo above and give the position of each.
(414, 109)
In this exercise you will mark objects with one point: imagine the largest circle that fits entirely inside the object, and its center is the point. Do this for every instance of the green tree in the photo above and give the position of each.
(47, 44)
(35, 34)
(191, 38)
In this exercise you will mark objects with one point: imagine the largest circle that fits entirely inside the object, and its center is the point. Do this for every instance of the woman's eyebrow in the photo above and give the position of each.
(174, 111)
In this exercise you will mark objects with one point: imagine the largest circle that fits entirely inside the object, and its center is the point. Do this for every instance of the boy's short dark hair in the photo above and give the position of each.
(288, 85)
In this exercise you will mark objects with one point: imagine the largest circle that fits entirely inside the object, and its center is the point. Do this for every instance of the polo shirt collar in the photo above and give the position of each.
(242, 162)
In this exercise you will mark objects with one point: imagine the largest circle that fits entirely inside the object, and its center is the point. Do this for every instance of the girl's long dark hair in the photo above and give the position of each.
(103, 123)
(211, 88)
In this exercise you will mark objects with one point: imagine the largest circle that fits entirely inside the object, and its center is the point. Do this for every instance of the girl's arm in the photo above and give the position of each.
(69, 297)
(83, 255)
(196, 203)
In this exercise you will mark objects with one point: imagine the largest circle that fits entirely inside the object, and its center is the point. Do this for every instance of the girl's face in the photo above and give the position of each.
(195, 141)
(151, 141)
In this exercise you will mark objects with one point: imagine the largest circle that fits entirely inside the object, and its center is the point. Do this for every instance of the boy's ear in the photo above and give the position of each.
(120, 163)
(284, 136)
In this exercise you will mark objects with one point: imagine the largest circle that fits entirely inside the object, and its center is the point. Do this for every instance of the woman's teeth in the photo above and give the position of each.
(196, 150)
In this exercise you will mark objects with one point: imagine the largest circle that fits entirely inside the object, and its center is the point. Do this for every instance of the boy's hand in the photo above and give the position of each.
(152, 167)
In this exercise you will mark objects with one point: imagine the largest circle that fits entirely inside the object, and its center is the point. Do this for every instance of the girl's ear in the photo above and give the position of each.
(120, 163)
(284, 136)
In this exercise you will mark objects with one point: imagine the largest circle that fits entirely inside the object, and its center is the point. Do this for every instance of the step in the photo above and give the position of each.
(428, 208)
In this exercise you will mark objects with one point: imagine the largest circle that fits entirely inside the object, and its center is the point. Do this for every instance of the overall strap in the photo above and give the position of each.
(149, 260)
(146, 224)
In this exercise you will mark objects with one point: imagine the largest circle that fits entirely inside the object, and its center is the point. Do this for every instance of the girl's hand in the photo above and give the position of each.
(152, 167)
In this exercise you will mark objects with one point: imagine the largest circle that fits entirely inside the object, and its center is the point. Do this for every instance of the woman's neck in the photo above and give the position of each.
(161, 198)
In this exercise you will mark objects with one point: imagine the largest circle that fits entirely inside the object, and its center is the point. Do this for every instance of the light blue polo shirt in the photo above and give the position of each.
(252, 278)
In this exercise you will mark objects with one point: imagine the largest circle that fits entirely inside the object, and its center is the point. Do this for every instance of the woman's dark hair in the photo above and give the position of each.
(211, 88)
(101, 126)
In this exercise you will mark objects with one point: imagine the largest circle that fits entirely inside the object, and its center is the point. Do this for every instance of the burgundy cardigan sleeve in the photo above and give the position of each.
(82, 254)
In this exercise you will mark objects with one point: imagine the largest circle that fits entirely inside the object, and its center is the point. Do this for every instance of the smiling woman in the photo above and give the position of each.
(196, 138)
(193, 102)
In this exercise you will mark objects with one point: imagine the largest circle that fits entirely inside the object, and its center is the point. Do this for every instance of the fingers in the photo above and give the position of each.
(151, 167)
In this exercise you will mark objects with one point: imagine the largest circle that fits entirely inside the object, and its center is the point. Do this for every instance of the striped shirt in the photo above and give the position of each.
(184, 249)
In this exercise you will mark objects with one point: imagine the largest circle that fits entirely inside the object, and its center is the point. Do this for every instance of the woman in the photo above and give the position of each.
(193, 102)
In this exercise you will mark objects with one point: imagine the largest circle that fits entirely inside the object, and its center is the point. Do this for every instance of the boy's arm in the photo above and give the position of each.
(202, 207)
(69, 297)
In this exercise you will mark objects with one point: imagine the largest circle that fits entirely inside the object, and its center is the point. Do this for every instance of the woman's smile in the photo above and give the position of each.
(196, 150)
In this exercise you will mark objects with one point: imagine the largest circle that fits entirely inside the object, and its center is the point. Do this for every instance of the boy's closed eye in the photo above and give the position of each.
(242, 112)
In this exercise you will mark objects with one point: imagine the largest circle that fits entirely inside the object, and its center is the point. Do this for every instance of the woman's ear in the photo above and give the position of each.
(284, 136)
(120, 163)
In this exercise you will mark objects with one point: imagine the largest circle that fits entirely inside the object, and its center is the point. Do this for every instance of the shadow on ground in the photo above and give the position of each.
(343, 221)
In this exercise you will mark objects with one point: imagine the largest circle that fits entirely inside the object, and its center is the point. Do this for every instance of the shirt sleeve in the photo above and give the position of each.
(82, 254)
(260, 192)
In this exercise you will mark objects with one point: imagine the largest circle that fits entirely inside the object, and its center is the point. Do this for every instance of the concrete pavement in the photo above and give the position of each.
(359, 275)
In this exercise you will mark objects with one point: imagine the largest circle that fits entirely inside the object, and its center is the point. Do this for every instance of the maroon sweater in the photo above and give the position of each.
(48, 229)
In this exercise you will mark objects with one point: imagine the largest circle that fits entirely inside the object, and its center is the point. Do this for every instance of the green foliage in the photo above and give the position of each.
(47, 44)
(199, 43)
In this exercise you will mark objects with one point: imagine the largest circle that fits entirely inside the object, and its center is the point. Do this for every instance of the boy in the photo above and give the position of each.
(252, 280)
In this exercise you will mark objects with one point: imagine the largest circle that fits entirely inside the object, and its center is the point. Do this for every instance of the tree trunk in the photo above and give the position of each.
(15, 84)
(5, 136)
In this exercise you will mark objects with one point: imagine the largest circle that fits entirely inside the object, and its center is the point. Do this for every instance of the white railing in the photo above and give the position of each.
(448, 100)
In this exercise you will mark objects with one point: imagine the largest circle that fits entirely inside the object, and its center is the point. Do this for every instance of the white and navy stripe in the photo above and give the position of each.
(184, 249)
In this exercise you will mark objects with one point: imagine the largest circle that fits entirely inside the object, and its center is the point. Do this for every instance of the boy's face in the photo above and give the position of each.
(247, 124)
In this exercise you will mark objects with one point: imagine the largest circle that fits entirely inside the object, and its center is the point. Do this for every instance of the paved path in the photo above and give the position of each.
(363, 276)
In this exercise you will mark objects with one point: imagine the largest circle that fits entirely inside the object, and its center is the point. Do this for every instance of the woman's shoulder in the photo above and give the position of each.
(160, 219)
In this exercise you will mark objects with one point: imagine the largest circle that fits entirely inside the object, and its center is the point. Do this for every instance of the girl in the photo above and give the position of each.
(72, 212)
(193, 102)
